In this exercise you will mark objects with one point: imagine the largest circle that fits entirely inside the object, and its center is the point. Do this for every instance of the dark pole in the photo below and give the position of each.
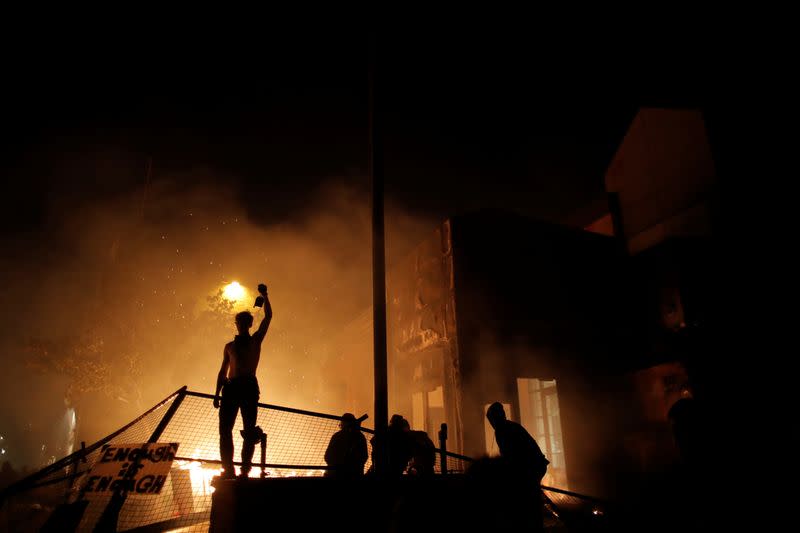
(379, 459)
(443, 448)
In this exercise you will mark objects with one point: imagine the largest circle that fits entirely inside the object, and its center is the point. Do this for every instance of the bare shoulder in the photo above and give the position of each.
(229, 347)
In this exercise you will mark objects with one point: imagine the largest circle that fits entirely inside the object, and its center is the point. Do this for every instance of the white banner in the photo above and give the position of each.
(139, 469)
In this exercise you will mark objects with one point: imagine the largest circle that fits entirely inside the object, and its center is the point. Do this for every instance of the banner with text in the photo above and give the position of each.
(138, 469)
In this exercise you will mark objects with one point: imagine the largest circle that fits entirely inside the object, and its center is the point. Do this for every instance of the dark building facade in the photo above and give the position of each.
(497, 307)
(588, 335)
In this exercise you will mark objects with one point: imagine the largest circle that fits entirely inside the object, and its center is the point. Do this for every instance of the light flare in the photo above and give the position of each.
(234, 292)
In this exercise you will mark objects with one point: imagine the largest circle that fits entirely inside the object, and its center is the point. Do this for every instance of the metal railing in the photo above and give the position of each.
(296, 444)
(297, 440)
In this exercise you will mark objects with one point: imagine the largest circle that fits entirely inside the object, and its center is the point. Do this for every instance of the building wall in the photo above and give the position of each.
(422, 345)
(421, 340)
(545, 302)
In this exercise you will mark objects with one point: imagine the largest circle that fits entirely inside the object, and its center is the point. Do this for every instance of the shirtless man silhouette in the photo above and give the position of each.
(239, 386)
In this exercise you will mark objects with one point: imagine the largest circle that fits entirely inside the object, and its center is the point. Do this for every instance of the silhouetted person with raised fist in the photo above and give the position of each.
(239, 386)
(525, 461)
(347, 450)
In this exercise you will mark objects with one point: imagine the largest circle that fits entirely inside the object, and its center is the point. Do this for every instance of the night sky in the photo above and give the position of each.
(492, 114)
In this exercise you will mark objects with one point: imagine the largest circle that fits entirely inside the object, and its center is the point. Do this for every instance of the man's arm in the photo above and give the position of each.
(261, 332)
(222, 376)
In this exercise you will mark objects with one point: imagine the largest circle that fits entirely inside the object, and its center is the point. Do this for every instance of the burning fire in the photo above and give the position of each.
(201, 477)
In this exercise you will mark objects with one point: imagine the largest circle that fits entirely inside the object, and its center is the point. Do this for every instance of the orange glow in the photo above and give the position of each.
(200, 477)
(234, 292)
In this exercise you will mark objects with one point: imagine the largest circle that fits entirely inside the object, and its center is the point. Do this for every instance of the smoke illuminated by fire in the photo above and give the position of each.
(140, 301)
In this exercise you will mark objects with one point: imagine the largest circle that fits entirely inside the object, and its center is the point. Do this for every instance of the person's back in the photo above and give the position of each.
(520, 448)
(397, 443)
(523, 462)
(423, 454)
(347, 450)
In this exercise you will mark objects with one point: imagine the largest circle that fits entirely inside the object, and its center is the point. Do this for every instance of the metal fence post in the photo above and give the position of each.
(263, 454)
(443, 448)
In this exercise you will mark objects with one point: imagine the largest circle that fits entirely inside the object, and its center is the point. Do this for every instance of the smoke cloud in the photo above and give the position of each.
(116, 302)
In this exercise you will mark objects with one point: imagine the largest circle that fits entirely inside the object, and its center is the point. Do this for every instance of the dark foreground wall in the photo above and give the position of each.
(481, 500)
(323, 504)
(475, 502)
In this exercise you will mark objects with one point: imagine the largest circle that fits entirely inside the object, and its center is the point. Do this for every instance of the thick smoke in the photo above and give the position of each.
(119, 304)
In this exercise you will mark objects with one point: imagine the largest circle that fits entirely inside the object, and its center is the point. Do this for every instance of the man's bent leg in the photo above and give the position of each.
(227, 417)
(250, 434)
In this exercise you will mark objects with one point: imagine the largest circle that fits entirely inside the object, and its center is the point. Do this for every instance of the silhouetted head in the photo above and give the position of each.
(348, 421)
(244, 321)
(496, 414)
(397, 422)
